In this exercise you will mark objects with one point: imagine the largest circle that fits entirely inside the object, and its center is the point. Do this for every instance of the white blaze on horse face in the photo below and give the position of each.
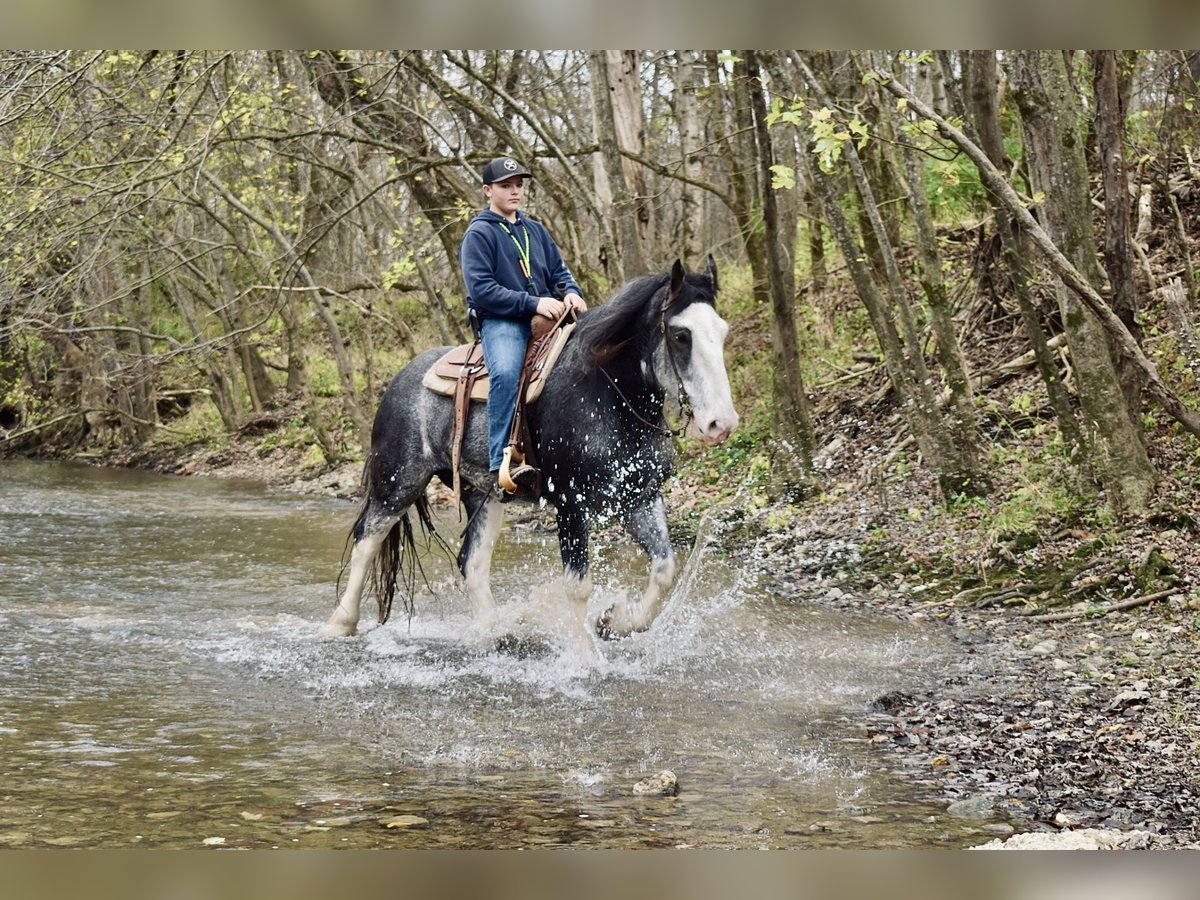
(705, 381)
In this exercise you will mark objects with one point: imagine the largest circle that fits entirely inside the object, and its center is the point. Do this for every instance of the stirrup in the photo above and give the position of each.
(498, 490)
(513, 478)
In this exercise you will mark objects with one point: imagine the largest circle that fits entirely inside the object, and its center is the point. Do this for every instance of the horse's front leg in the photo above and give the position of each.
(648, 526)
(577, 583)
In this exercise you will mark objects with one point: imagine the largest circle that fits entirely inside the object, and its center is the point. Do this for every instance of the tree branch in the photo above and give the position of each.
(1155, 385)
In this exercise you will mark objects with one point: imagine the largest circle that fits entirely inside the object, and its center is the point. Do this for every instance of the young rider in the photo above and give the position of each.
(510, 265)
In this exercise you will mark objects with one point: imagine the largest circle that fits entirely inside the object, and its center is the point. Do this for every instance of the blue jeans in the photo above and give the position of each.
(504, 343)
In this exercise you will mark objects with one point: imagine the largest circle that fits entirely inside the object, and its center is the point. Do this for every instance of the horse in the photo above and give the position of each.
(599, 431)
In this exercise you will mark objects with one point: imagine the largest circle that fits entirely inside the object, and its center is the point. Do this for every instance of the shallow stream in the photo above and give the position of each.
(160, 685)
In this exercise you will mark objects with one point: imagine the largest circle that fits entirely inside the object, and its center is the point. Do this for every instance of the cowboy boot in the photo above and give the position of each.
(515, 474)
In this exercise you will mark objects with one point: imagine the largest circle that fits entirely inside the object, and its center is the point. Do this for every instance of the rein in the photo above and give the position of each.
(685, 405)
(652, 425)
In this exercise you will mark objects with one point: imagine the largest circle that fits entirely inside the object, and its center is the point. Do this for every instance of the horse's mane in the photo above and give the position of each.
(607, 329)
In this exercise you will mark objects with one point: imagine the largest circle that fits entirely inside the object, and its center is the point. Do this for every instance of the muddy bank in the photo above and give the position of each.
(1084, 722)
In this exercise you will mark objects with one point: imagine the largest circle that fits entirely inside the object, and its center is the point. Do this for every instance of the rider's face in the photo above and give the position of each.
(505, 196)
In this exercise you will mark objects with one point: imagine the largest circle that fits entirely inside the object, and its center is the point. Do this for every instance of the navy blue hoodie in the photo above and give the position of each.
(491, 266)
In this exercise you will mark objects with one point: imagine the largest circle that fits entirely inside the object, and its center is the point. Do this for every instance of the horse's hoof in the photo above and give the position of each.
(336, 630)
(604, 626)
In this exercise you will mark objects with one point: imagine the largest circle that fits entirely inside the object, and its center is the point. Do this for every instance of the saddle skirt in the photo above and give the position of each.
(443, 376)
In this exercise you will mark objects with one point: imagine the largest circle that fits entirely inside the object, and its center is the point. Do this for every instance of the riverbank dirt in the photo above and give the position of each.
(1065, 713)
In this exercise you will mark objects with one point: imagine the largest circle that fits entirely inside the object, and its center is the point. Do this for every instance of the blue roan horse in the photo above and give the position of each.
(598, 431)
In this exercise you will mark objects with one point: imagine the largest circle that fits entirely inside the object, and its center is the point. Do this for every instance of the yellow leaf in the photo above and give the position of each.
(902, 104)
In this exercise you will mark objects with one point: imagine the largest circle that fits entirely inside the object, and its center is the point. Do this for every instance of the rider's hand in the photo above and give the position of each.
(575, 302)
(550, 308)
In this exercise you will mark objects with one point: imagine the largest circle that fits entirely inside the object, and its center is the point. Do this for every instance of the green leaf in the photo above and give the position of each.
(783, 178)
(776, 111)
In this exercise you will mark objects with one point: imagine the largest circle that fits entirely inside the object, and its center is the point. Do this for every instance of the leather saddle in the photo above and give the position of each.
(466, 360)
(462, 374)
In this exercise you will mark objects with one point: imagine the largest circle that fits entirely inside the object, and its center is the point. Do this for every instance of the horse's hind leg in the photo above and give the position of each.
(370, 531)
(648, 526)
(485, 516)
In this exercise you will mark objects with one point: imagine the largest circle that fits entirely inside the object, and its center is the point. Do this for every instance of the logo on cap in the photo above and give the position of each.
(510, 165)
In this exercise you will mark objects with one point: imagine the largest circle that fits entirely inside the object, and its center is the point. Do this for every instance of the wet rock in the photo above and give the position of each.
(1069, 817)
(1084, 839)
(892, 702)
(823, 827)
(336, 822)
(663, 784)
(1045, 648)
(1129, 698)
(979, 807)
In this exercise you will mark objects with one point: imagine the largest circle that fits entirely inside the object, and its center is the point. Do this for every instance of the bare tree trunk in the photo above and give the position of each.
(626, 94)
(741, 159)
(688, 81)
(1176, 300)
(1054, 147)
(338, 346)
(949, 351)
(1118, 257)
(922, 418)
(629, 251)
(816, 242)
(793, 425)
(985, 116)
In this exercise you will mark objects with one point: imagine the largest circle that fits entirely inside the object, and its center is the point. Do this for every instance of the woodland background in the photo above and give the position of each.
(198, 248)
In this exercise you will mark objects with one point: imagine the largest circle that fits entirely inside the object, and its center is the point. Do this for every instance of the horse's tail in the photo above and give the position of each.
(397, 563)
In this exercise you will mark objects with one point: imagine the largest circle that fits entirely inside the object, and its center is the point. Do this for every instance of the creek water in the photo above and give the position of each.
(160, 685)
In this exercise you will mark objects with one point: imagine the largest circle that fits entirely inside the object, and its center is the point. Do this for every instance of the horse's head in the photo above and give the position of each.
(693, 352)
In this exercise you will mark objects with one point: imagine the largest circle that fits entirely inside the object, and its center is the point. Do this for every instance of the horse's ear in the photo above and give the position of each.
(677, 275)
(711, 271)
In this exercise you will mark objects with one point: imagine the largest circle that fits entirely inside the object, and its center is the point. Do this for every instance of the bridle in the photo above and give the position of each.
(685, 405)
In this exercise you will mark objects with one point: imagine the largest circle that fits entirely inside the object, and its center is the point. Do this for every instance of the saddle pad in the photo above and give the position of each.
(442, 376)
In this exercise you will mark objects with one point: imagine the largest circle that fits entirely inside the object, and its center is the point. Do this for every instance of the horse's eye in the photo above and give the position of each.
(682, 337)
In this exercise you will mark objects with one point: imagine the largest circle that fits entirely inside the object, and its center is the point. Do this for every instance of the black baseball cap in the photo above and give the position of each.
(503, 167)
